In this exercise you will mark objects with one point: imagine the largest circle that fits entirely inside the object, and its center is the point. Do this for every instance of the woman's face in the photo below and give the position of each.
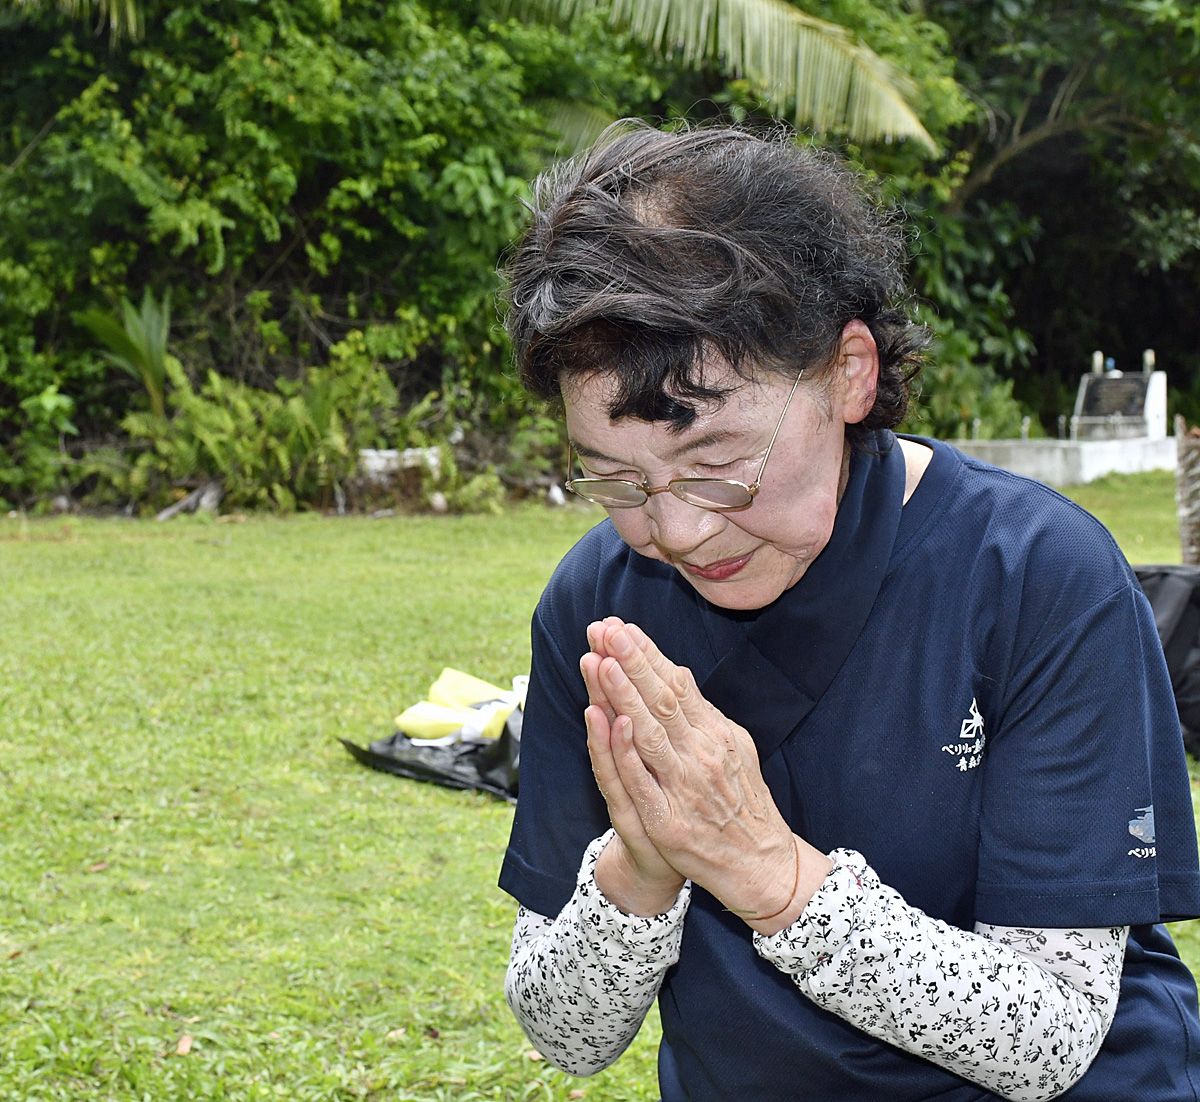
(743, 559)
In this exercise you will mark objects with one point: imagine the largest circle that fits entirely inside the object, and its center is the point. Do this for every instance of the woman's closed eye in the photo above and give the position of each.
(721, 470)
(621, 476)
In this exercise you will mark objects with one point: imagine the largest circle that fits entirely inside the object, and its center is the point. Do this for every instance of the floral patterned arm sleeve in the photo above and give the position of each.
(1020, 1012)
(581, 985)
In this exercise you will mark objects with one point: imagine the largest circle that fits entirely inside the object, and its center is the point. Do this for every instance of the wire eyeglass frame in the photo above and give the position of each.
(624, 493)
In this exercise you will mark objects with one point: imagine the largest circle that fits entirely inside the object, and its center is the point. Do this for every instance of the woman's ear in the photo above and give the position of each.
(857, 371)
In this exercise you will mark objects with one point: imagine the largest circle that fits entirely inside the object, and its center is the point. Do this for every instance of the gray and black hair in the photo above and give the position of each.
(652, 250)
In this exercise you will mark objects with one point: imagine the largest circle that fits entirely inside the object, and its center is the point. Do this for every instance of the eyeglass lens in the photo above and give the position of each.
(705, 493)
(715, 494)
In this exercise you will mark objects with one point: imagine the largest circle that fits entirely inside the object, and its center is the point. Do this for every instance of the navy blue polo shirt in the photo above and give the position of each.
(968, 689)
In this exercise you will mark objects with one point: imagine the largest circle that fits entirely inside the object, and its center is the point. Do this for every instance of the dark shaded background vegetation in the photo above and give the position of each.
(315, 196)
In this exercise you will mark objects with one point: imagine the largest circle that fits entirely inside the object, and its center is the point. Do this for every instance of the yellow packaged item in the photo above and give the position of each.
(461, 706)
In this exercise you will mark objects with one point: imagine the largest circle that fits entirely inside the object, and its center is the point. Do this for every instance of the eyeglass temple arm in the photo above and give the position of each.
(778, 426)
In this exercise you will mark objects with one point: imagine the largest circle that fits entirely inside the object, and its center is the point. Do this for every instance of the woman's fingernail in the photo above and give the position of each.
(620, 643)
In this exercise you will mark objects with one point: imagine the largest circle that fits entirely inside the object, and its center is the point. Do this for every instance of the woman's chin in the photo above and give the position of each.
(736, 594)
(754, 587)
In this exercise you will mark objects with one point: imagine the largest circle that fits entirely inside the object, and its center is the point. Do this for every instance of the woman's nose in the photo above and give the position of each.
(678, 528)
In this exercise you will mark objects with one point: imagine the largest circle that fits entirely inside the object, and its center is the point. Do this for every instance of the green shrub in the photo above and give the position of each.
(300, 173)
(136, 342)
(959, 395)
(482, 492)
(294, 444)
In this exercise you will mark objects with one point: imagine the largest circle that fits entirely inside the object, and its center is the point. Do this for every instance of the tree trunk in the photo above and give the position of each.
(1187, 489)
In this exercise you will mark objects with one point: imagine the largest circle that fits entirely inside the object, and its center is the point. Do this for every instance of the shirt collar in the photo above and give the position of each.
(774, 676)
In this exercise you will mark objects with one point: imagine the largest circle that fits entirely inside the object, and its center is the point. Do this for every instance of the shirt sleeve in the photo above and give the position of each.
(1021, 1012)
(1086, 816)
(546, 845)
(581, 985)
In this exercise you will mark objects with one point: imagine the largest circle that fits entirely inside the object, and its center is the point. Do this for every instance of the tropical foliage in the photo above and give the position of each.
(1088, 135)
(122, 17)
(820, 73)
(289, 177)
(277, 183)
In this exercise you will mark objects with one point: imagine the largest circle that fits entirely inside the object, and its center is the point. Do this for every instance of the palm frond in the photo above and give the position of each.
(813, 71)
(124, 17)
(577, 125)
(137, 343)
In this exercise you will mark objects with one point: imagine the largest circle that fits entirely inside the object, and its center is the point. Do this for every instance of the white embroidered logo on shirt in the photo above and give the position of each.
(1141, 826)
(969, 748)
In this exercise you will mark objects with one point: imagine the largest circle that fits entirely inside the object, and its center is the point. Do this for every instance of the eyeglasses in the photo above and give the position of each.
(722, 495)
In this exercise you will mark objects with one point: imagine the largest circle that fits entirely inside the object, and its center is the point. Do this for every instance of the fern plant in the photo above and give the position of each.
(295, 444)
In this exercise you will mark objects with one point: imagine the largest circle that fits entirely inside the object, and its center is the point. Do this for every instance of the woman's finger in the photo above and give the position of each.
(596, 631)
(637, 780)
(609, 744)
(589, 667)
(621, 809)
(650, 736)
(679, 678)
(657, 692)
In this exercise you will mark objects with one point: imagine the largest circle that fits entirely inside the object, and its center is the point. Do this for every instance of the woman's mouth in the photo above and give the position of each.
(718, 571)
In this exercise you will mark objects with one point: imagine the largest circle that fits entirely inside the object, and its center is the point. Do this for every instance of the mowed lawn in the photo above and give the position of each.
(201, 895)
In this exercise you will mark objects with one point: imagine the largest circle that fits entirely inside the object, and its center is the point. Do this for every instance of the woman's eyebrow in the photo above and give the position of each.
(584, 452)
(705, 440)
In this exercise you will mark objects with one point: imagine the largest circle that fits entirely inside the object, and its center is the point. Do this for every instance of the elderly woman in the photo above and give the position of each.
(857, 754)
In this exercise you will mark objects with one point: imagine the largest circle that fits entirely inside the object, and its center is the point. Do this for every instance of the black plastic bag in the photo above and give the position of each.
(1174, 594)
(487, 764)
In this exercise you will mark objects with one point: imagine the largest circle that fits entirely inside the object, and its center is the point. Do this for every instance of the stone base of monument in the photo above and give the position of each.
(1070, 462)
(1119, 426)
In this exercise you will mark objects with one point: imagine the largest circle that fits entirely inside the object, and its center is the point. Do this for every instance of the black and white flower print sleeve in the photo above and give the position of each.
(581, 985)
(1021, 1012)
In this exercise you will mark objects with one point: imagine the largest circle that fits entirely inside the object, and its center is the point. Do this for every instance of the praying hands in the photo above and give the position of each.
(684, 791)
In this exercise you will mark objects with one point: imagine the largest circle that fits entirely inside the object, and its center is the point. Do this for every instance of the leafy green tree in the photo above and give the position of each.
(290, 177)
(1089, 138)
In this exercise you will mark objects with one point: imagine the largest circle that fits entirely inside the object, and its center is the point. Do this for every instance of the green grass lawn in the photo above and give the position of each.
(187, 851)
